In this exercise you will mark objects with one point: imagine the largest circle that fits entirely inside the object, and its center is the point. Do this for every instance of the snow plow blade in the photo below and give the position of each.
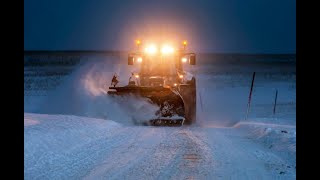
(137, 89)
(177, 106)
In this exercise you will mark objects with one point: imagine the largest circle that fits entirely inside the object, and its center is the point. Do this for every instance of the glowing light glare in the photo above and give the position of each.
(137, 76)
(167, 49)
(184, 60)
(181, 76)
(138, 42)
(184, 42)
(175, 84)
(151, 49)
(139, 59)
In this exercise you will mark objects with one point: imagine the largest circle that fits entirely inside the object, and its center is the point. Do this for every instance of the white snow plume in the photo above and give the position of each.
(84, 93)
(139, 109)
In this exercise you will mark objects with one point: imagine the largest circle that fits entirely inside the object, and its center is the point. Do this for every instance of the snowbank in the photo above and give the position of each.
(54, 141)
(279, 139)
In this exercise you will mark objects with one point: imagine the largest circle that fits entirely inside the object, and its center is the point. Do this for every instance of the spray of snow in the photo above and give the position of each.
(84, 93)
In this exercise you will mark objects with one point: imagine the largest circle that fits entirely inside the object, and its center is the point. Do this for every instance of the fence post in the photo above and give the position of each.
(249, 100)
(275, 103)
(201, 101)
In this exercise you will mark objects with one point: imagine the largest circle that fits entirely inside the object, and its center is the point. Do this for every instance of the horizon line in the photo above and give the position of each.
(125, 51)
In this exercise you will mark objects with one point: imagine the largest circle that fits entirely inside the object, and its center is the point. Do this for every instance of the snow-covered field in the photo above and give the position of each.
(73, 130)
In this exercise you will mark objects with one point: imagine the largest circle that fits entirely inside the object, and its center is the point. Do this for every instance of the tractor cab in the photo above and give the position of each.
(161, 67)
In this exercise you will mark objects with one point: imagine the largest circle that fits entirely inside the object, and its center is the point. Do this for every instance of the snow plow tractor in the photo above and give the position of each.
(161, 78)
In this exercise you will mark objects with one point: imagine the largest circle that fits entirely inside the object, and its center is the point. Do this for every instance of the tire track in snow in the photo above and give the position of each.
(178, 155)
(158, 153)
(194, 161)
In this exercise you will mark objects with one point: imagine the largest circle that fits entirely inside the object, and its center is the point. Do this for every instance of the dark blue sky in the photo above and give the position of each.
(245, 26)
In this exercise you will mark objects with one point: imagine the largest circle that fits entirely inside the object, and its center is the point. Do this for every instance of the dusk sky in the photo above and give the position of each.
(240, 26)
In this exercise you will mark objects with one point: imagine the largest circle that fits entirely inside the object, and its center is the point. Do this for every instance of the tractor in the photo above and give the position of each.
(162, 79)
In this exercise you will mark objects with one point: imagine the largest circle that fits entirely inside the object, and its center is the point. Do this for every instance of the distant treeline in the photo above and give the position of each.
(71, 53)
(65, 58)
(44, 60)
(246, 58)
(61, 58)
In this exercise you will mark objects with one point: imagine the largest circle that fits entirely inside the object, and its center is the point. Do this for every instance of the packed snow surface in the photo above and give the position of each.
(73, 130)
(72, 147)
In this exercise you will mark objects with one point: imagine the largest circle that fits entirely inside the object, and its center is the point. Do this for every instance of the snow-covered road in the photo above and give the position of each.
(73, 130)
(71, 147)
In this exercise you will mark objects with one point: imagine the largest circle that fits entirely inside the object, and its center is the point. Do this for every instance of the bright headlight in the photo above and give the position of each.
(151, 49)
(167, 49)
(185, 42)
(139, 59)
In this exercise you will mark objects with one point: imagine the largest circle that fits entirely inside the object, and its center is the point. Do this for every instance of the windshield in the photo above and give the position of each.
(158, 66)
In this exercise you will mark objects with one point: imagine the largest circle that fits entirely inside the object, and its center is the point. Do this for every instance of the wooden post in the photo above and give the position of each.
(275, 103)
(201, 101)
(249, 100)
